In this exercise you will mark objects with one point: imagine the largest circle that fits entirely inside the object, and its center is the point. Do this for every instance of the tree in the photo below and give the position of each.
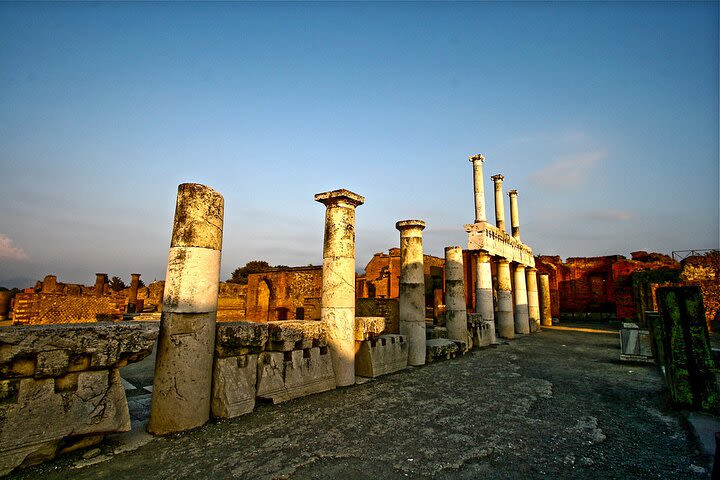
(116, 284)
(240, 274)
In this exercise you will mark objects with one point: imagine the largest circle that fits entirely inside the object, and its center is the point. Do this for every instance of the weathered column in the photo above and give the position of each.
(100, 281)
(337, 308)
(183, 367)
(522, 322)
(499, 202)
(412, 289)
(456, 308)
(132, 295)
(532, 298)
(484, 291)
(514, 215)
(479, 188)
(505, 322)
(545, 302)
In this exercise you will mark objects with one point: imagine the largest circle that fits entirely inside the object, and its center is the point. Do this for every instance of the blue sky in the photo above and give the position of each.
(604, 116)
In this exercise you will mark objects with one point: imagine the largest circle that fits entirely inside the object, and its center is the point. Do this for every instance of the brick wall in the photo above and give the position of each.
(47, 308)
(281, 293)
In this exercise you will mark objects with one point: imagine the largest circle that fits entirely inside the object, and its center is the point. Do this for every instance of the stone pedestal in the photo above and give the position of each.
(337, 309)
(505, 322)
(456, 308)
(522, 322)
(514, 215)
(545, 302)
(132, 295)
(412, 289)
(533, 299)
(499, 202)
(478, 188)
(484, 292)
(183, 368)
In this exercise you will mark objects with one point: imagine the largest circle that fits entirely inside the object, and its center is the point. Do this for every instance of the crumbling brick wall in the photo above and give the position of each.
(47, 308)
(282, 293)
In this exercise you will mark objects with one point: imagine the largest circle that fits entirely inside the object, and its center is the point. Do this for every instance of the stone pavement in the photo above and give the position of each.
(558, 404)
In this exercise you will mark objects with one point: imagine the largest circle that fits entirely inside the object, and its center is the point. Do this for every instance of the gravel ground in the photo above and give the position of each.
(557, 404)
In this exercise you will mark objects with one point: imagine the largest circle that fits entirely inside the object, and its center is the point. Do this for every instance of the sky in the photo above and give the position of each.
(604, 117)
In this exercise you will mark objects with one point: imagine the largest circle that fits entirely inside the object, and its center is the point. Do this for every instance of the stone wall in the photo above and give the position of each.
(282, 294)
(388, 308)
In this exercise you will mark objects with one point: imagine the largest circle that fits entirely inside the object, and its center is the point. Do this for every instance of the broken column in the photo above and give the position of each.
(132, 295)
(499, 202)
(533, 301)
(484, 291)
(412, 289)
(514, 215)
(337, 309)
(522, 323)
(545, 305)
(100, 281)
(183, 367)
(505, 322)
(456, 309)
(478, 188)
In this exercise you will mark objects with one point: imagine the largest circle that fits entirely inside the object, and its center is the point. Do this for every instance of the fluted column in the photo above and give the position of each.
(412, 289)
(514, 215)
(545, 302)
(533, 300)
(499, 202)
(478, 188)
(484, 291)
(183, 367)
(522, 323)
(456, 307)
(505, 322)
(337, 308)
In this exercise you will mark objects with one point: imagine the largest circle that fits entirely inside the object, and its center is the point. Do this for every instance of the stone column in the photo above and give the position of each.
(100, 281)
(545, 302)
(484, 291)
(514, 215)
(412, 289)
(499, 202)
(183, 367)
(479, 188)
(505, 322)
(455, 305)
(522, 322)
(132, 296)
(533, 301)
(337, 308)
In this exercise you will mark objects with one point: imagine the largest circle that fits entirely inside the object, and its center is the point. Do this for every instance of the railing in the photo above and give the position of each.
(680, 255)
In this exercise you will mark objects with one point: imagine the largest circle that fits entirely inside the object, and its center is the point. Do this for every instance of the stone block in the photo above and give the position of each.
(436, 332)
(240, 338)
(380, 356)
(480, 331)
(233, 386)
(285, 336)
(39, 413)
(368, 327)
(442, 349)
(283, 376)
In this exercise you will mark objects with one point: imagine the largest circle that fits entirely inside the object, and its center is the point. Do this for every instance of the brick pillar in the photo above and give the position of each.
(100, 281)
(132, 296)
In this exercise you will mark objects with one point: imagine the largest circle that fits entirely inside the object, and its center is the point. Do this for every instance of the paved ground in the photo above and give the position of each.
(557, 405)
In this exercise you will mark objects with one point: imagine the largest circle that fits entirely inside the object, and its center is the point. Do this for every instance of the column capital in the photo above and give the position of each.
(497, 178)
(475, 158)
(408, 224)
(340, 196)
(503, 261)
(483, 257)
(135, 275)
(531, 269)
(512, 193)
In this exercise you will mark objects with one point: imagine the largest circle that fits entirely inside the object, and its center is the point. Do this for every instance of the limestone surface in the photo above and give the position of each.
(380, 356)
(283, 376)
(284, 336)
(240, 338)
(234, 380)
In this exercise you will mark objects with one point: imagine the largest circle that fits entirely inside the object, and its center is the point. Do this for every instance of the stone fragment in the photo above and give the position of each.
(287, 335)
(442, 349)
(380, 356)
(283, 376)
(368, 327)
(240, 338)
(234, 380)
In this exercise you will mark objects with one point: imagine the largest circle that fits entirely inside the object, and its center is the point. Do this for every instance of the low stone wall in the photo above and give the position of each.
(60, 386)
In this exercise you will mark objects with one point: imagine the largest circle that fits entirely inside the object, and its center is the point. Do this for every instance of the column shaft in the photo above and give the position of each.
(183, 367)
(100, 281)
(499, 202)
(132, 295)
(412, 289)
(533, 300)
(545, 302)
(522, 322)
(484, 291)
(505, 322)
(456, 307)
(478, 188)
(514, 215)
(337, 309)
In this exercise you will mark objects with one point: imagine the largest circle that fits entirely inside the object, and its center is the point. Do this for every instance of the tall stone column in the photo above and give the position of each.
(522, 321)
(505, 322)
(456, 307)
(337, 308)
(412, 289)
(545, 302)
(100, 281)
(499, 202)
(132, 296)
(514, 215)
(479, 188)
(484, 291)
(183, 367)
(533, 300)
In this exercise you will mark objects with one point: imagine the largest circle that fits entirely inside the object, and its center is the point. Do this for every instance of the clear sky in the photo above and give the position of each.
(604, 116)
